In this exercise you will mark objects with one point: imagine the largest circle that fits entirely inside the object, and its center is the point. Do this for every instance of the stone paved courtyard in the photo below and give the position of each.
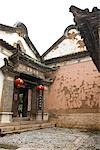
(54, 139)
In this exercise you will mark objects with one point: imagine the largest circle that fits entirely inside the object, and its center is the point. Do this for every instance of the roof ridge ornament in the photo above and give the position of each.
(21, 29)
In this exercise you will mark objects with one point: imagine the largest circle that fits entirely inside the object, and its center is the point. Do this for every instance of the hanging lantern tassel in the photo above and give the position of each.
(40, 87)
(19, 82)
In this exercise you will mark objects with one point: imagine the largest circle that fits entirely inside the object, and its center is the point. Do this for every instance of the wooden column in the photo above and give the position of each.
(33, 104)
(40, 99)
(45, 109)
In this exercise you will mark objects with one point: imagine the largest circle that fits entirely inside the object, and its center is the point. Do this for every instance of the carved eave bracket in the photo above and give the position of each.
(8, 68)
(20, 57)
(88, 24)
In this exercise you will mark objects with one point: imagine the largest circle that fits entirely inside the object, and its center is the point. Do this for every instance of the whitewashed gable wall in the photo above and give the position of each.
(13, 38)
(72, 43)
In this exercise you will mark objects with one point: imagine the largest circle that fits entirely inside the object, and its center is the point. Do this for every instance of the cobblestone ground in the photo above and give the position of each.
(54, 139)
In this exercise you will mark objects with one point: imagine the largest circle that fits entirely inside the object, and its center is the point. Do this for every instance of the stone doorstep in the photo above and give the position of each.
(19, 119)
(16, 123)
(24, 127)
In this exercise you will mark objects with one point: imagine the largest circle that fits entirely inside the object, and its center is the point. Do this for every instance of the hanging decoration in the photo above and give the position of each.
(40, 87)
(19, 82)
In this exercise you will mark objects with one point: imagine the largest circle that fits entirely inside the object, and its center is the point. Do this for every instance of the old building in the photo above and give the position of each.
(74, 96)
(62, 84)
(21, 73)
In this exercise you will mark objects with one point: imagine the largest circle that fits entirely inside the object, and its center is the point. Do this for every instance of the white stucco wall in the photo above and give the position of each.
(12, 38)
(72, 43)
(1, 84)
(2, 56)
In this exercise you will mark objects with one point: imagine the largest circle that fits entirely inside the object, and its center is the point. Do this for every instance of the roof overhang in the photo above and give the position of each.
(69, 57)
(88, 24)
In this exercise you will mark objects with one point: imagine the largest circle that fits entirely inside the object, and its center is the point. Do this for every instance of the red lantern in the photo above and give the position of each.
(40, 87)
(19, 82)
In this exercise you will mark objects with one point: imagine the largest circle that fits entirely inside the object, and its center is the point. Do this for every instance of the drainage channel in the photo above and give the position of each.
(10, 147)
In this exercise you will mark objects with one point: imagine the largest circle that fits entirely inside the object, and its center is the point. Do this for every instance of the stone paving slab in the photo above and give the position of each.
(54, 139)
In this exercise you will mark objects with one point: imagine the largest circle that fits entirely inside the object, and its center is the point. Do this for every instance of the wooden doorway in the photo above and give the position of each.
(23, 102)
(20, 102)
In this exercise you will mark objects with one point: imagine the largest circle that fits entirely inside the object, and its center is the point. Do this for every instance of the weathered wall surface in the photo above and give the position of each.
(75, 91)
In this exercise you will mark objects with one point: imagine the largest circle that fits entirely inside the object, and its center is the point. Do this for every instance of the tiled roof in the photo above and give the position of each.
(22, 28)
(7, 45)
(8, 29)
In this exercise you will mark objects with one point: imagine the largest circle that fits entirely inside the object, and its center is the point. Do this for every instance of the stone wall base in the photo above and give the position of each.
(42, 117)
(5, 117)
(39, 116)
(45, 116)
(79, 120)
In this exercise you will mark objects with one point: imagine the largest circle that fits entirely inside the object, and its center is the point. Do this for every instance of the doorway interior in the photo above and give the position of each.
(20, 102)
(23, 102)
(25, 97)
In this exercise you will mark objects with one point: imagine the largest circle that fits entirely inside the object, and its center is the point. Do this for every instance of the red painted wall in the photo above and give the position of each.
(76, 88)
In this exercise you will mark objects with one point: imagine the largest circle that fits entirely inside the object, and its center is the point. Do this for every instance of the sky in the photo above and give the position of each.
(45, 20)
